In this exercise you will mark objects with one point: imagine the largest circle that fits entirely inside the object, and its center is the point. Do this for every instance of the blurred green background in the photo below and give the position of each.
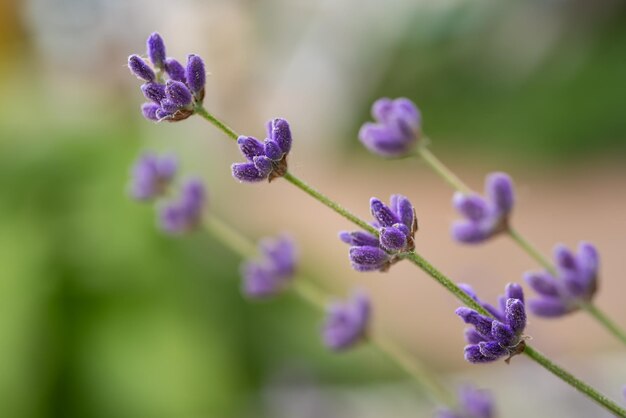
(101, 315)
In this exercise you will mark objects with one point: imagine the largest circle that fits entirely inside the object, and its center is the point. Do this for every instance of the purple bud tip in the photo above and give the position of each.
(280, 132)
(140, 68)
(175, 70)
(156, 50)
(151, 175)
(178, 93)
(499, 187)
(346, 323)
(270, 274)
(149, 111)
(185, 214)
(396, 130)
(195, 74)
(153, 91)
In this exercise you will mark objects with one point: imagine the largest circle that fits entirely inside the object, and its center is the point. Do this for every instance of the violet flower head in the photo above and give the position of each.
(156, 50)
(499, 335)
(347, 322)
(273, 271)
(396, 224)
(185, 214)
(575, 282)
(484, 217)
(268, 159)
(473, 403)
(175, 90)
(396, 130)
(151, 175)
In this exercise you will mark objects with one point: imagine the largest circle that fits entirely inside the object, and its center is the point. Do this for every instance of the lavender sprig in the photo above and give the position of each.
(498, 335)
(269, 275)
(439, 277)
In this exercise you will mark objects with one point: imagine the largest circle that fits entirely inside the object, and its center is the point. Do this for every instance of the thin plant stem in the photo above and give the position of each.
(448, 284)
(530, 249)
(443, 171)
(605, 320)
(310, 293)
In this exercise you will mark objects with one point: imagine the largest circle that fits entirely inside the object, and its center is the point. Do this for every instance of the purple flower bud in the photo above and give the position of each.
(575, 282)
(162, 114)
(403, 208)
(178, 93)
(263, 164)
(247, 172)
(497, 336)
(542, 283)
(502, 333)
(346, 323)
(472, 206)
(175, 70)
(153, 91)
(484, 218)
(548, 307)
(195, 74)
(280, 132)
(149, 111)
(396, 130)
(514, 291)
(184, 214)
(272, 150)
(393, 239)
(269, 275)
(469, 232)
(382, 213)
(156, 50)
(151, 175)
(368, 258)
(169, 106)
(480, 322)
(359, 238)
(250, 147)
(499, 188)
(492, 349)
(139, 67)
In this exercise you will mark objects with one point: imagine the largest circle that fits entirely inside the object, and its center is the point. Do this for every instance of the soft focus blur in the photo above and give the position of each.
(101, 315)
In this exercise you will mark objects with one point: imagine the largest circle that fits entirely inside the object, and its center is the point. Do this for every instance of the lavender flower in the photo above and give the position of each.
(484, 217)
(151, 175)
(396, 130)
(176, 98)
(396, 224)
(270, 274)
(140, 68)
(499, 335)
(156, 50)
(347, 323)
(473, 403)
(574, 284)
(266, 160)
(184, 214)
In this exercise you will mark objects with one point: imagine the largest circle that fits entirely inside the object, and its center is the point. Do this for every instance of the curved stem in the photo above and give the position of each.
(315, 297)
(444, 281)
(578, 384)
(604, 320)
(443, 171)
(200, 110)
(530, 249)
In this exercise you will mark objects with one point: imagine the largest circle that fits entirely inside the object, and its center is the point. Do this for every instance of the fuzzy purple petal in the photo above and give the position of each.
(382, 213)
(393, 239)
(247, 172)
(499, 188)
(548, 307)
(195, 74)
(515, 315)
(156, 50)
(368, 258)
(542, 283)
(250, 147)
(472, 206)
(175, 70)
(140, 68)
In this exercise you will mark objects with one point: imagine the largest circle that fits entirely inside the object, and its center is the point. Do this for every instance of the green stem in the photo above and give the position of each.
(312, 294)
(530, 249)
(578, 384)
(443, 280)
(200, 110)
(443, 171)
(329, 202)
(604, 320)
